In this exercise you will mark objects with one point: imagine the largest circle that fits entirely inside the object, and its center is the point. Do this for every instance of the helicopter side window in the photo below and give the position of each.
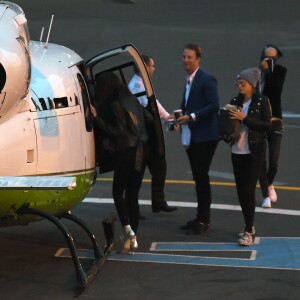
(60, 102)
(76, 100)
(86, 104)
(35, 104)
(127, 72)
(43, 103)
(135, 87)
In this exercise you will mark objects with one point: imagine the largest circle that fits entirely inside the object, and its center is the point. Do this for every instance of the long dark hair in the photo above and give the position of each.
(109, 91)
(241, 97)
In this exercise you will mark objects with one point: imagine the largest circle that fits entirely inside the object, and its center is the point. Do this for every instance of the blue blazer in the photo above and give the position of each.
(204, 102)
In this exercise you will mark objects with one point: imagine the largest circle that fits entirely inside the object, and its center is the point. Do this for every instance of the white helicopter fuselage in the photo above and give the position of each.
(47, 147)
(46, 126)
(45, 132)
(45, 123)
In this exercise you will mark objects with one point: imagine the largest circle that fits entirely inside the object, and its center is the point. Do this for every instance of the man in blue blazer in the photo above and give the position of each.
(200, 131)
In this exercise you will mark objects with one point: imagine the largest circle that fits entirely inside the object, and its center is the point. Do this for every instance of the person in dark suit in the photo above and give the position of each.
(199, 131)
(157, 165)
(271, 85)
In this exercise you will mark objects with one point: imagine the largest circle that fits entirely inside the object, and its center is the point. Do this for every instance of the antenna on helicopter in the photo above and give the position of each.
(42, 33)
(46, 46)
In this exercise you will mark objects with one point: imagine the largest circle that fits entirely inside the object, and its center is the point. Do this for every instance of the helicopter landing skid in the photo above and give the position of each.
(83, 278)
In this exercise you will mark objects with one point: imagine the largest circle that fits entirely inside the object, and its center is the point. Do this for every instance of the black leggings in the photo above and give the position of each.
(126, 186)
(269, 172)
(246, 170)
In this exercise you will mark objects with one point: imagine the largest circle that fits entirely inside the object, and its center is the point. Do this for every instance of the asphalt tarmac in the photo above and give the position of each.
(170, 264)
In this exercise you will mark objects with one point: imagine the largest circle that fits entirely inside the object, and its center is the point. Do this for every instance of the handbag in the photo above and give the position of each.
(229, 129)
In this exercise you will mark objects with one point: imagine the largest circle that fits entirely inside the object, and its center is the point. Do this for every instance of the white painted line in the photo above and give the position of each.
(277, 211)
(290, 115)
(153, 246)
(253, 255)
(203, 247)
(257, 240)
(267, 253)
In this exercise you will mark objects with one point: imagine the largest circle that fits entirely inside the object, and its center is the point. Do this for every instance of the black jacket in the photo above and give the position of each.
(258, 121)
(120, 125)
(125, 126)
(273, 85)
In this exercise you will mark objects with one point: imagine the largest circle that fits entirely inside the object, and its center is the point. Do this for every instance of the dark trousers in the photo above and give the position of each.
(158, 169)
(200, 157)
(126, 186)
(269, 172)
(246, 171)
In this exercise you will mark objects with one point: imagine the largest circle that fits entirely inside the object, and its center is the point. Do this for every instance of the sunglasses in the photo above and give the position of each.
(241, 84)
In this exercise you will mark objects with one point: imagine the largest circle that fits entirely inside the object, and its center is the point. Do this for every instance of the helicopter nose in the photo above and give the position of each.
(15, 71)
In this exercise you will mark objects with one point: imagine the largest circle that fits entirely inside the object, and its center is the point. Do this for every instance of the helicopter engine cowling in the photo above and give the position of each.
(15, 65)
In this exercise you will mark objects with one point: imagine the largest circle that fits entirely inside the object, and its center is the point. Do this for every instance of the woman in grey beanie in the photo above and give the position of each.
(249, 150)
(251, 75)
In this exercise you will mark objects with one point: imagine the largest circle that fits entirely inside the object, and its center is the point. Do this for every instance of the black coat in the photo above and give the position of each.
(119, 125)
(258, 121)
(273, 88)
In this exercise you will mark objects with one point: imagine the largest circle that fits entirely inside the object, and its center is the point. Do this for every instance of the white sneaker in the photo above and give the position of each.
(266, 203)
(243, 231)
(272, 193)
(247, 239)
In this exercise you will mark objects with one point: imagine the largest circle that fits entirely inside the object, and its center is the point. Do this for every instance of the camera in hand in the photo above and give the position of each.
(270, 62)
(229, 130)
(171, 125)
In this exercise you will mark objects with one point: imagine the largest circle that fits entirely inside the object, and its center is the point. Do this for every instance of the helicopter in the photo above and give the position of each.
(48, 161)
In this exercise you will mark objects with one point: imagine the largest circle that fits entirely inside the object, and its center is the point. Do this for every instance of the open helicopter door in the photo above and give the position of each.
(125, 62)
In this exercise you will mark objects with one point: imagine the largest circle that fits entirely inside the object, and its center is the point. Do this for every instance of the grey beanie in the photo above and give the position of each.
(251, 75)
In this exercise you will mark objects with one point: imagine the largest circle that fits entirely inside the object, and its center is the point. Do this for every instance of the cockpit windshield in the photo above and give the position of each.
(22, 23)
(15, 7)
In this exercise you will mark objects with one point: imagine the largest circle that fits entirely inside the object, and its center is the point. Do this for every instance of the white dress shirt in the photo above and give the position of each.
(185, 130)
(136, 85)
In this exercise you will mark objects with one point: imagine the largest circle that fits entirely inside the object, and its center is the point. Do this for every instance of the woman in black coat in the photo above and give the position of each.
(248, 151)
(120, 118)
(271, 85)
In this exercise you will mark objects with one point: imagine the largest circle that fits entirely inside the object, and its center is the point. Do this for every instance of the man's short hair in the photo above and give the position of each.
(196, 48)
(146, 58)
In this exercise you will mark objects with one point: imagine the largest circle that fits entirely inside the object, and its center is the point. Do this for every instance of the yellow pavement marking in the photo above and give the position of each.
(217, 183)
